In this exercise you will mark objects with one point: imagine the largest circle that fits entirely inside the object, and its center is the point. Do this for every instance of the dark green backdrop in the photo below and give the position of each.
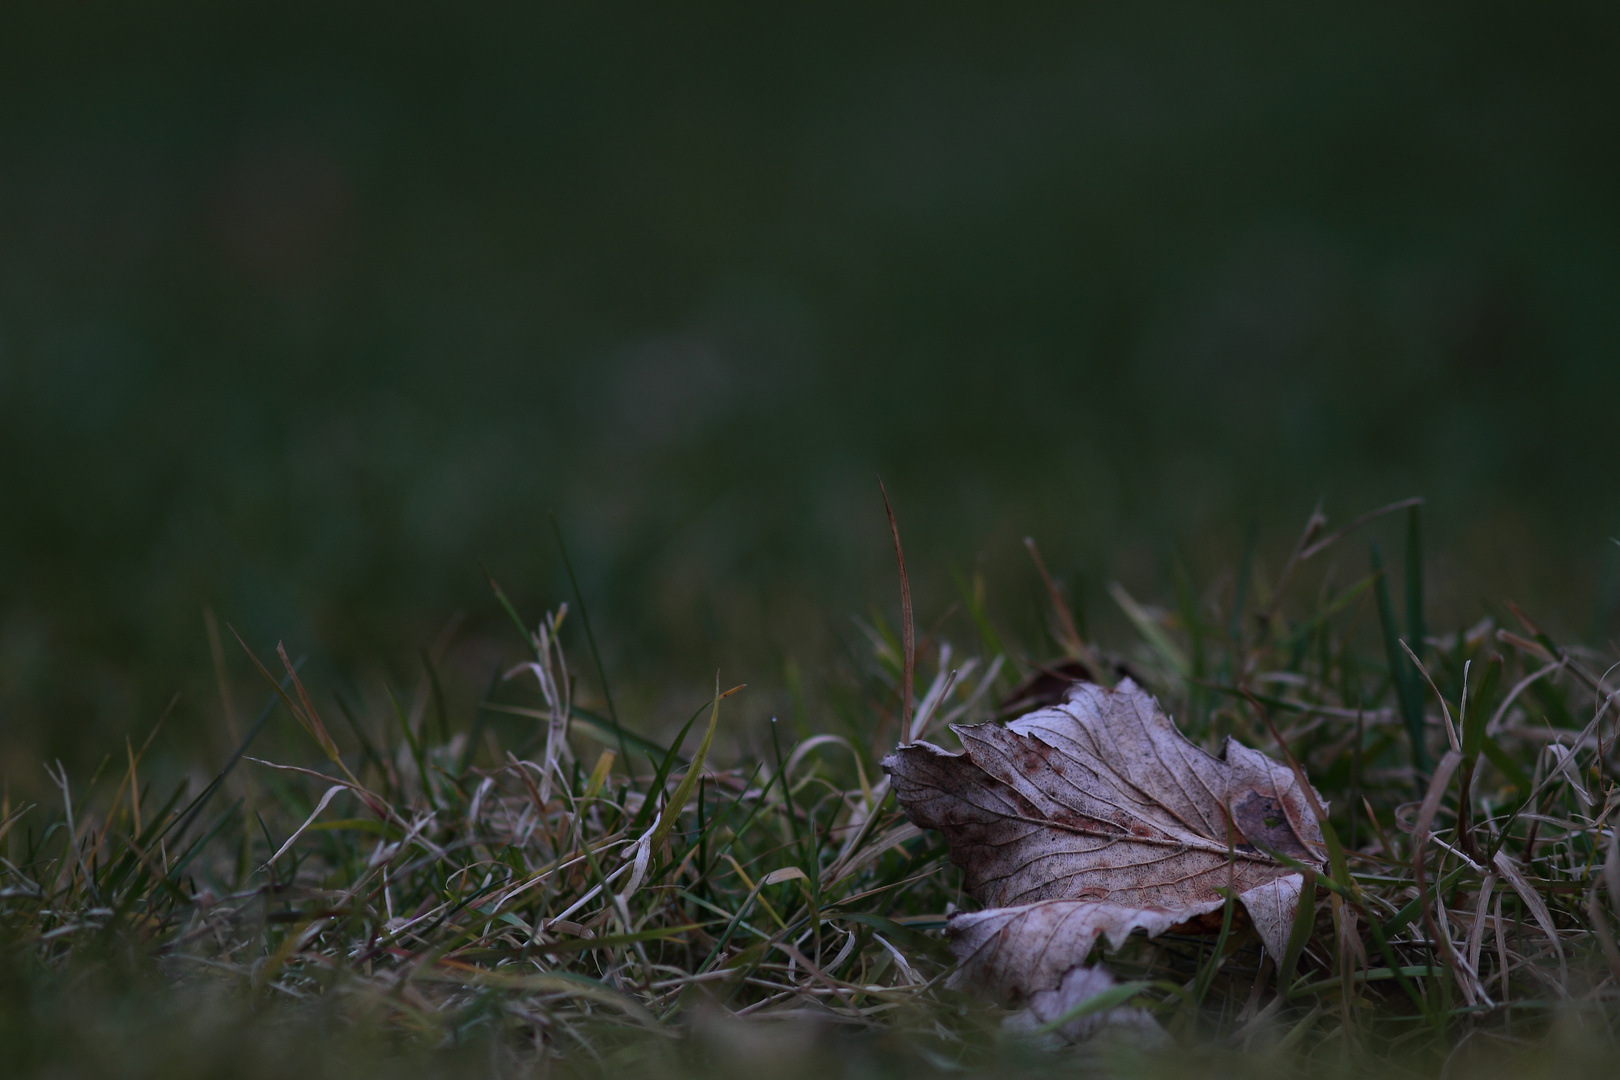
(305, 309)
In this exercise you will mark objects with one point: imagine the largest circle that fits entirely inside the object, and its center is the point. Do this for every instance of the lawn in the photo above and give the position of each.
(533, 887)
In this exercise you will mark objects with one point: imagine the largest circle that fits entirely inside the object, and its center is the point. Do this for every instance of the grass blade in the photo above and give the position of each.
(908, 631)
(1401, 674)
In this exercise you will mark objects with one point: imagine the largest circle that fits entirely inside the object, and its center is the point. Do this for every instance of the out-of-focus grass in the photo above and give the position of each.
(532, 887)
(306, 309)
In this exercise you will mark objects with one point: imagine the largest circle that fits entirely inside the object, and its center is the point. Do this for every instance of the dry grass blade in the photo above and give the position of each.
(1365, 519)
(1538, 908)
(1073, 643)
(908, 632)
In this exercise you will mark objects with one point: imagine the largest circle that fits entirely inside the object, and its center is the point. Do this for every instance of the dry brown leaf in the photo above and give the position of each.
(1098, 817)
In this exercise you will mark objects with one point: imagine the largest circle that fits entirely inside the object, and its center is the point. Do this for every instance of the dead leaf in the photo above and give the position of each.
(1047, 685)
(1080, 1008)
(1016, 952)
(1098, 817)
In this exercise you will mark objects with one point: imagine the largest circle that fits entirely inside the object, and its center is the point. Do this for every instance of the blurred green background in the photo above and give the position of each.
(306, 309)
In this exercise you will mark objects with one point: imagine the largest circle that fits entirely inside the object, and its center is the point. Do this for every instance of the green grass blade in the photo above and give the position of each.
(1240, 592)
(1416, 629)
(1401, 673)
(1298, 935)
(683, 790)
(590, 640)
(1505, 764)
(195, 807)
(1111, 998)
(663, 770)
(1480, 702)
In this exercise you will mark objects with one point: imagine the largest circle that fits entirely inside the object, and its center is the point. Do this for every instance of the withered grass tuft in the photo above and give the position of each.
(557, 893)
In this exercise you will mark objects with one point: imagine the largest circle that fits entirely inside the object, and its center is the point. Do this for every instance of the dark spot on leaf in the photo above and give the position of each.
(1263, 821)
